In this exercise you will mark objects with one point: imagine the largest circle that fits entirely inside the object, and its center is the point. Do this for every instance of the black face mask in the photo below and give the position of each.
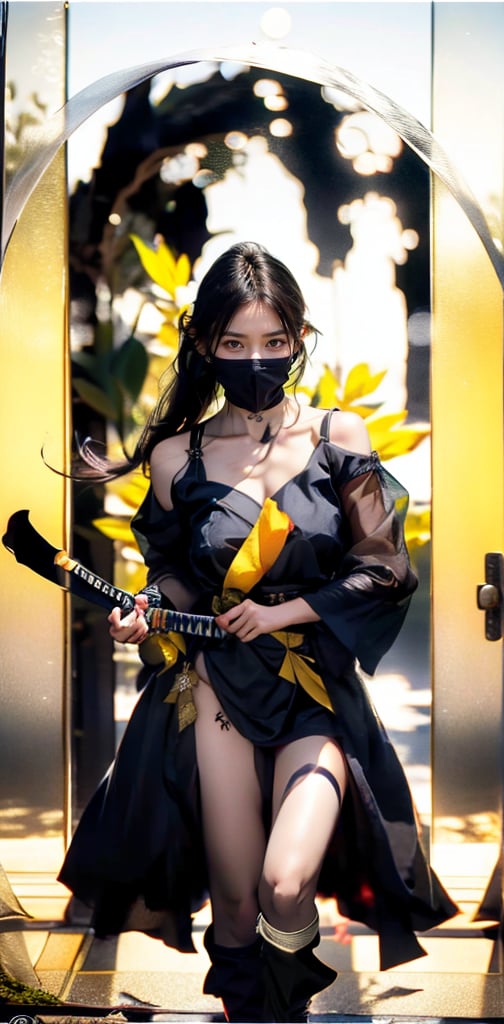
(253, 384)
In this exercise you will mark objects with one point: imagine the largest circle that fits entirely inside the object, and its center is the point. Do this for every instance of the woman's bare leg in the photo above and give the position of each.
(232, 820)
(310, 779)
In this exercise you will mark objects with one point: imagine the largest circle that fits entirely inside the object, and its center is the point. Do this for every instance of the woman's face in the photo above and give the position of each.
(254, 332)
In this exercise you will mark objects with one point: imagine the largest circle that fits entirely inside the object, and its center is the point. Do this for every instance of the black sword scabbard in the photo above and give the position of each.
(31, 549)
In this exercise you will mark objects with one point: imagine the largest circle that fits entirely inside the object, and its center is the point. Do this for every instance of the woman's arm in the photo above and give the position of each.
(365, 604)
(158, 531)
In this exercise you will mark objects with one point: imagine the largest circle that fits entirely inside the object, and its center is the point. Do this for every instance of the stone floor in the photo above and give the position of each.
(135, 978)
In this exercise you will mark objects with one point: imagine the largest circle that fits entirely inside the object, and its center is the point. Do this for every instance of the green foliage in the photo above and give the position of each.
(111, 379)
(14, 992)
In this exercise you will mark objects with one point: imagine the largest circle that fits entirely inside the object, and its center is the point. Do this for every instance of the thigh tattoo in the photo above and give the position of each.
(223, 721)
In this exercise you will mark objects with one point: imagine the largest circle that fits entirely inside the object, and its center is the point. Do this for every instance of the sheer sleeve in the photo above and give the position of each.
(159, 534)
(365, 603)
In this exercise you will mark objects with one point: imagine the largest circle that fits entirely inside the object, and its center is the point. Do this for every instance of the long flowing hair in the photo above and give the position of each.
(245, 273)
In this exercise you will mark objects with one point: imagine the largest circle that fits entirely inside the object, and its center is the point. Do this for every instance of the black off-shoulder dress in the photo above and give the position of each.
(137, 855)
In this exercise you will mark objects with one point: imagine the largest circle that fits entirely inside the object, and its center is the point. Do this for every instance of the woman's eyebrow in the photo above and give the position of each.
(267, 334)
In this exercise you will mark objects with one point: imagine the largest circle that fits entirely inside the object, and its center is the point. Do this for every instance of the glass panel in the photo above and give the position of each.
(467, 443)
(33, 414)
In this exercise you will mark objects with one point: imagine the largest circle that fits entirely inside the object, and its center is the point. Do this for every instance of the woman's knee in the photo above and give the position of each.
(284, 892)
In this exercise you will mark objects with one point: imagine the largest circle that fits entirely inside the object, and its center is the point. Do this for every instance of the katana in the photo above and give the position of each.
(31, 549)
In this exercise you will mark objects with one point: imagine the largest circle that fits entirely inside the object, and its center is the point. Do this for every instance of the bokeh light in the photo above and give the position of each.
(267, 87)
(276, 102)
(236, 140)
(276, 23)
(280, 128)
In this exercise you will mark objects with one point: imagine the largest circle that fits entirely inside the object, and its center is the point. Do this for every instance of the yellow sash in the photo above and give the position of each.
(254, 558)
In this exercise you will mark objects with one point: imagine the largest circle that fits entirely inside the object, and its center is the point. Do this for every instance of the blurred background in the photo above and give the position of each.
(109, 252)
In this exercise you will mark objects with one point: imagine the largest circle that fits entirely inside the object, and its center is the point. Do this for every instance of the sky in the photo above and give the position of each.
(362, 37)
(386, 44)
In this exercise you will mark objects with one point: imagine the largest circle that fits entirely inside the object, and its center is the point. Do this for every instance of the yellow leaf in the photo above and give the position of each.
(401, 441)
(130, 576)
(168, 310)
(417, 528)
(360, 381)
(116, 528)
(139, 579)
(303, 389)
(387, 421)
(130, 490)
(159, 263)
(362, 410)
(182, 270)
(327, 389)
(169, 336)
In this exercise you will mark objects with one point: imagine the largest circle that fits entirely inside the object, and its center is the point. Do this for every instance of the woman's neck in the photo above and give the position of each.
(262, 426)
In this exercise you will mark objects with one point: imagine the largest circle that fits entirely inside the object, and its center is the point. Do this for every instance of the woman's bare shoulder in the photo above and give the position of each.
(349, 431)
(167, 459)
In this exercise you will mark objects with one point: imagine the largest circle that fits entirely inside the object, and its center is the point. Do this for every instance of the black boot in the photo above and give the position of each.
(291, 979)
(235, 977)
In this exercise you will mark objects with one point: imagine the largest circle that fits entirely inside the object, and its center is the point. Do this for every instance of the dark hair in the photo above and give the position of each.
(245, 273)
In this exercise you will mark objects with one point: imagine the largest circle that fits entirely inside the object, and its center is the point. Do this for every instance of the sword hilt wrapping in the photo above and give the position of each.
(162, 620)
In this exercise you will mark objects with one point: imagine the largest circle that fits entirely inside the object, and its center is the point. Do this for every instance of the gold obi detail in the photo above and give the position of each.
(172, 645)
(181, 695)
(228, 599)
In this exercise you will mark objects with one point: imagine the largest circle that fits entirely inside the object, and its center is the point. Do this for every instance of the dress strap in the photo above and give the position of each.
(325, 426)
(195, 438)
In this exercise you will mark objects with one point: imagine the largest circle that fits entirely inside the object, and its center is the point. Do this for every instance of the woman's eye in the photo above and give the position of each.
(277, 342)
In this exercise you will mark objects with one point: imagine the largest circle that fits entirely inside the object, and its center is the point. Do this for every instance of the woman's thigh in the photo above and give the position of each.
(310, 781)
(231, 801)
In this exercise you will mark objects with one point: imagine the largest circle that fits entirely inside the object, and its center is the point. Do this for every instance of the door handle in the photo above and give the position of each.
(490, 595)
